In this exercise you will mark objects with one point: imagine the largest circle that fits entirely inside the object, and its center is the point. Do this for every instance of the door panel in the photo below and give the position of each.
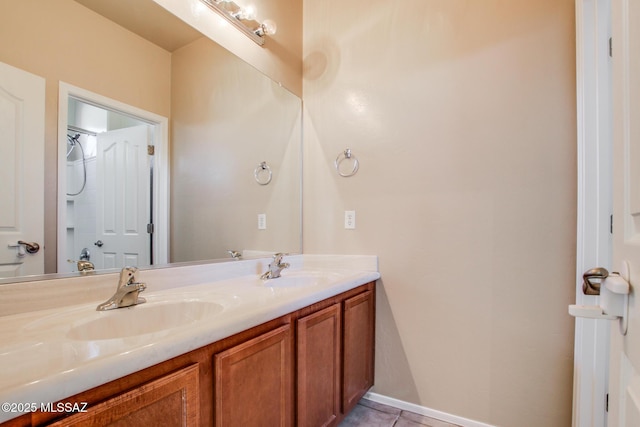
(318, 368)
(594, 240)
(358, 348)
(123, 205)
(21, 170)
(170, 400)
(253, 382)
(624, 407)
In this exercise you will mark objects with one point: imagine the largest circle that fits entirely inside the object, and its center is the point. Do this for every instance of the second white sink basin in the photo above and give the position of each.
(147, 318)
(297, 279)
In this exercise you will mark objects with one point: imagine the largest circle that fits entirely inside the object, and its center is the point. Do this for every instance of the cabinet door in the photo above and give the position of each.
(253, 382)
(171, 400)
(358, 348)
(319, 368)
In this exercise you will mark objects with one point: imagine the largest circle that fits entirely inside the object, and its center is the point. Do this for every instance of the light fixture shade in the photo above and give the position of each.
(249, 13)
(229, 6)
(243, 19)
(269, 27)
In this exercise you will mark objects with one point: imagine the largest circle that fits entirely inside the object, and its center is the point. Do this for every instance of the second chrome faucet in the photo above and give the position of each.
(275, 268)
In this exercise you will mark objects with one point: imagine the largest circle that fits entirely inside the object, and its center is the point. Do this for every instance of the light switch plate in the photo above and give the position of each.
(262, 221)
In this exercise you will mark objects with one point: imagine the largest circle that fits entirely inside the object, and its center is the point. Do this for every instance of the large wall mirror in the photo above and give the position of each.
(230, 178)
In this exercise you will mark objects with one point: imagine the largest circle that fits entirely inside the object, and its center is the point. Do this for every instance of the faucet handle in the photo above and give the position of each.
(277, 257)
(128, 275)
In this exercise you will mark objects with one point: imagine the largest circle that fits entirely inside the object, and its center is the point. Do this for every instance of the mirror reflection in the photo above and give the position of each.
(106, 208)
(224, 118)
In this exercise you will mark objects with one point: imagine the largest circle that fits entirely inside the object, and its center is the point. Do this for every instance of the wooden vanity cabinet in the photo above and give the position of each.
(307, 368)
(358, 348)
(318, 372)
(254, 381)
(335, 356)
(171, 400)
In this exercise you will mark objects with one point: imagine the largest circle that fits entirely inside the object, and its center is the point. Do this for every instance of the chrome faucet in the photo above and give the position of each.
(84, 266)
(127, 292)
(275, 268)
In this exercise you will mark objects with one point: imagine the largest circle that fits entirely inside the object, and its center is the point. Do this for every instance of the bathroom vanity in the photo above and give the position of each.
(297, 350)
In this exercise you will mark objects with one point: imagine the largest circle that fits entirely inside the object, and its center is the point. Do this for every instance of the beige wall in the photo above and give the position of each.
(63, 41)
(462, 115)
(226, 119)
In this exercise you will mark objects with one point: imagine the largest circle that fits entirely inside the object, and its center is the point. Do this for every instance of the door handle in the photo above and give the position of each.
(29, 247)
(592, 280)
(99, 243)
(614, 292)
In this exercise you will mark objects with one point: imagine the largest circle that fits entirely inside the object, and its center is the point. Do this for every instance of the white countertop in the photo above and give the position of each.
(56, 352)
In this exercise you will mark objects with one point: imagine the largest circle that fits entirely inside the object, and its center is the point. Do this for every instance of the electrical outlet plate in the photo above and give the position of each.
(350, 220)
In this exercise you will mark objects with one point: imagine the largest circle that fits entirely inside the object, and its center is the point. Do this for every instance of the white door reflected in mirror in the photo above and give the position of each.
(123, 203)
(108, 197)
(112, 183)
(21, 171)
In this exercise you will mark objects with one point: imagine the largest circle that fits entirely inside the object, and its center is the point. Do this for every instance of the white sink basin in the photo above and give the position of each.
(147, 318)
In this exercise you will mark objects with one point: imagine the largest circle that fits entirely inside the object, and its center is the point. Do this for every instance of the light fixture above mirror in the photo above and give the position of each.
(243, 19)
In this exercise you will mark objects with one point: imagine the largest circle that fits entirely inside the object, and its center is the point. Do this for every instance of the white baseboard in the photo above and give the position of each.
(421, 410)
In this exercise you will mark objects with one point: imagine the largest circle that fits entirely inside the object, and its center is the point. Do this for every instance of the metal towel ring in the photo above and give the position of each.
(260, 169)
(346, 155)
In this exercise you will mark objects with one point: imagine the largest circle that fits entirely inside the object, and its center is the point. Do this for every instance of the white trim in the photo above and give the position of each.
(422, 410)
(594, 242)
(161, 174)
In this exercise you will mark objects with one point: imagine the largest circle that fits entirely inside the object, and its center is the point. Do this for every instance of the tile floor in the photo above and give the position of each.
(372, 414)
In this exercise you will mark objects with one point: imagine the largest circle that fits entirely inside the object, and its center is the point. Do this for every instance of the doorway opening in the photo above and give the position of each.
(112, 183)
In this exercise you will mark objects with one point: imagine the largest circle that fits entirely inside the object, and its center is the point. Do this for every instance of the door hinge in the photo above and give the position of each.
(611, 47)
(611, 224)
(606, 403)
(150, 228)
(151, 150)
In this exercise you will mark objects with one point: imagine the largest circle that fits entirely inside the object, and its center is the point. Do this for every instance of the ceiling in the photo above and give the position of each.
(146, 19)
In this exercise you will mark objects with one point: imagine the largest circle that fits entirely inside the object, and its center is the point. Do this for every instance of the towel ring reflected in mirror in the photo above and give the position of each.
(263, 173)
(346, 155)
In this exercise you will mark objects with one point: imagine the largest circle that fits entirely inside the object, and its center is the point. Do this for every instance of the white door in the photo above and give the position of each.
(624, 387)
(21, 171)
(123, 205)
(594, 240)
